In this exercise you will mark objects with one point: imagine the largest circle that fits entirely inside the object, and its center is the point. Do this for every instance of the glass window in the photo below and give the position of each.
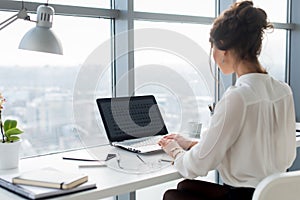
(276, 11)
(181, 84)
(41, 88)
(83, 3)
(177, 73)
(273, 54)
(188, 7)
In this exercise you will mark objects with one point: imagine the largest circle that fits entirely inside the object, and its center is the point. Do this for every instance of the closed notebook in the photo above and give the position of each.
(50, 177)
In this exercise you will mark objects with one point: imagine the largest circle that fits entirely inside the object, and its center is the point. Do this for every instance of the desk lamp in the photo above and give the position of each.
(40, 38)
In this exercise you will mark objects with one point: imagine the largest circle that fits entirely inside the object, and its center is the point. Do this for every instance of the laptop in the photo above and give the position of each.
(132, 123)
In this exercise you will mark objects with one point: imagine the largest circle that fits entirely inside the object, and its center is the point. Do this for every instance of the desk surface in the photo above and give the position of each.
(109, 181)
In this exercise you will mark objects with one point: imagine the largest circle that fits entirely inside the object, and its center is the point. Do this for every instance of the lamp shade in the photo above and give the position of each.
(42, 38)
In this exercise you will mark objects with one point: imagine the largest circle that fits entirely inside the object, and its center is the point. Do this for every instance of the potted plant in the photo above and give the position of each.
(9, 142)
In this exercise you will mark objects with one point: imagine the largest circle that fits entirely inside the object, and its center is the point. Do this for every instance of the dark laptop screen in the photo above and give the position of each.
(131, 117)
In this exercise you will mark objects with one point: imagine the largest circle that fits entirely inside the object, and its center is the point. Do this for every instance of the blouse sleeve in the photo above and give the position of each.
(223, 131)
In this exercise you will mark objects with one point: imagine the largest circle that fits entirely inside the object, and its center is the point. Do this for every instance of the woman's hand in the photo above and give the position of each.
(183, 142)
(171, 147)
(173, 144)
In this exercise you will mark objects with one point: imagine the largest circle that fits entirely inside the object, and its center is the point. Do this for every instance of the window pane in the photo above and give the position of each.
(273, 55)
(277, 12)
(40, 87)
(84, 3)
(182, 86)
(187, 7)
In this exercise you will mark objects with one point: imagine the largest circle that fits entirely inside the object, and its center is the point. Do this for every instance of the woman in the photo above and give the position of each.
(252, 130)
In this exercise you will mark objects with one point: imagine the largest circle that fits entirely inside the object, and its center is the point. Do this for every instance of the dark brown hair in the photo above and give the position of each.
(241, 29)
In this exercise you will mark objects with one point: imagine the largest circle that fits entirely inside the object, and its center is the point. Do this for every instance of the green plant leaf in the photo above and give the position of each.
(13, 131)
(13, 139)
(9, 124)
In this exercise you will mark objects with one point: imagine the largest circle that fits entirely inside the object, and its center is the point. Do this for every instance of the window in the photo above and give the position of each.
(276, 11)
(273, 55)
(40, 87)
(188, 7)
(177, 80)
(182, 85)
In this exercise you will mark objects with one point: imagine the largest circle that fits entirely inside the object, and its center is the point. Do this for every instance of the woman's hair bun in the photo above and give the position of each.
(240, 28)
(250, 17)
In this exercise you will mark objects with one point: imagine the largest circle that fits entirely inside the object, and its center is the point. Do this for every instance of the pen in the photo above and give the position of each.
(164, 160)
(80, 159)
(140, 158)
(109, 156)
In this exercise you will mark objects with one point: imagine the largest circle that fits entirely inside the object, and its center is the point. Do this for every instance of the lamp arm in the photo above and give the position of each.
(12, 17)
(22, 14)
(8, 21)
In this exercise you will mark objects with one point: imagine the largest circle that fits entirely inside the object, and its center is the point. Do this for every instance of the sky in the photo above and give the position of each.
(80, 37)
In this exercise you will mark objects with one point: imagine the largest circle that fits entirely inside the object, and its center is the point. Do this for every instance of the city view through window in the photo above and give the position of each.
(39, 87)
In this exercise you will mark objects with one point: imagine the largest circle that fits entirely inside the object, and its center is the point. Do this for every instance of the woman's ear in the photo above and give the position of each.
(225, 52)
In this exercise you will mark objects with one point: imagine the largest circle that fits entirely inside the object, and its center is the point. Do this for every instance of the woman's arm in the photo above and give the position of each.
(224, 129)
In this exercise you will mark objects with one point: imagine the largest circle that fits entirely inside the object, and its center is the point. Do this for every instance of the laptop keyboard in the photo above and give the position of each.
(144, 142)
(141, 145)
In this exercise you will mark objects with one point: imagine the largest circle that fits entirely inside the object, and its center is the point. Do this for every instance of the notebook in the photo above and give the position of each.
(133, 123)
(51, 178)
(32, 192)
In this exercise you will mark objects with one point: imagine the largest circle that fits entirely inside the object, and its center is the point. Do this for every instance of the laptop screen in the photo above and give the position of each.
(131, 117)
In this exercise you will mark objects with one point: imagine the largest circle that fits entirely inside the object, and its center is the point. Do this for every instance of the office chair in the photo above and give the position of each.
(281, 186)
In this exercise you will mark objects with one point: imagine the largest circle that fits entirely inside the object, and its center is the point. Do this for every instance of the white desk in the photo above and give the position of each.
(109, 182)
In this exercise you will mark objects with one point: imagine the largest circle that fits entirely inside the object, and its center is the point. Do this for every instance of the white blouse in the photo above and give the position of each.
(251, 135)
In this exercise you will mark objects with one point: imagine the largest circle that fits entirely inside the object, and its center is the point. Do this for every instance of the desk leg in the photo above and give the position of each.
(127, 196)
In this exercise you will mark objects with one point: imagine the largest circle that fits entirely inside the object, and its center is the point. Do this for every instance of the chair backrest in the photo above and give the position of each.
(281, 186)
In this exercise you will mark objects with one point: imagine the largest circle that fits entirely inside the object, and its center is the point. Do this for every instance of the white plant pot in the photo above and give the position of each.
(9, 155)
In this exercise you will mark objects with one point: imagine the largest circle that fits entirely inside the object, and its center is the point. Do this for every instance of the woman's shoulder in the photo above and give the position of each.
(266, 88)
(242, 93)
(280, 85)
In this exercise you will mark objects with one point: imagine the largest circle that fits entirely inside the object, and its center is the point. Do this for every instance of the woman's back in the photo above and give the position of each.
(266, 142)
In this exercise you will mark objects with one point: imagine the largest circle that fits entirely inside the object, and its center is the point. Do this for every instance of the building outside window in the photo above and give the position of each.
(39, 87)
